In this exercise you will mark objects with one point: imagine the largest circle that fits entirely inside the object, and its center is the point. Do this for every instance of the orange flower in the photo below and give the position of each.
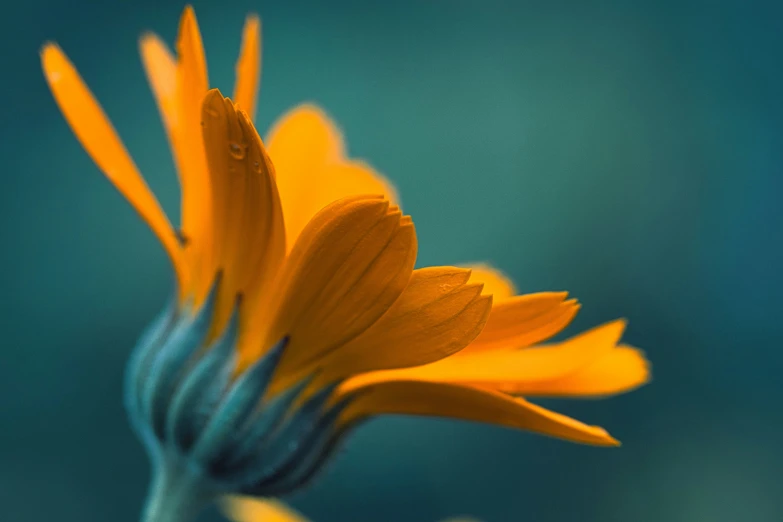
(298, 312)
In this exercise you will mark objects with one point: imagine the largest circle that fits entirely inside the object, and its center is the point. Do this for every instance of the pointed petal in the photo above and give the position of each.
(98, 137)
(350, 264)
(437, 315)
(524, 320)
(513, 370)
(620, 371)
(161, 69)
(192, 85)
(246, 509)
(496, 283)
(309, 182)
(248, 68)
(248, 231)
(467, 403)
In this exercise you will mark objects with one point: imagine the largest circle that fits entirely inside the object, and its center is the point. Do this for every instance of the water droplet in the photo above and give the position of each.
(212, 112)
(236, 150)
(257, 166)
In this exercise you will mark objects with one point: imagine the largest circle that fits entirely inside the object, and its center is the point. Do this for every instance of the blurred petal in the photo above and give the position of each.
(352, 261)
(246, 509)
(466, 403)
(161, 68)
(248, 68)
(98, 137)
(437, 315)
(249, 235)
(496, 283)
(309, 182)
(524, 320)
(620, 371)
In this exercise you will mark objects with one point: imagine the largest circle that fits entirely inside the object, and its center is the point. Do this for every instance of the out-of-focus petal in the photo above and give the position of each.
(98, 137)
(309, 182)
(496, 283)
(248, 68)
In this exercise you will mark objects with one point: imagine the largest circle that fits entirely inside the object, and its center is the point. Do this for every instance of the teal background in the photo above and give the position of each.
(629, 152)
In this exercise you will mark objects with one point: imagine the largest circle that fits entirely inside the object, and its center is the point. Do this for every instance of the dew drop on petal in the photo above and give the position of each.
(236, 150)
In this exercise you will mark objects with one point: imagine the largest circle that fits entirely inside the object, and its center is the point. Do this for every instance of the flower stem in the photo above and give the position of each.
(176, 494)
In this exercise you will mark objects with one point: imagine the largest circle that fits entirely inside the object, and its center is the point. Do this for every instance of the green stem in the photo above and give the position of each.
(176, 494)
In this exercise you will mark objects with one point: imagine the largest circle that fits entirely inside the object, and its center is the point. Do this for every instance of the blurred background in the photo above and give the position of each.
(628, 152)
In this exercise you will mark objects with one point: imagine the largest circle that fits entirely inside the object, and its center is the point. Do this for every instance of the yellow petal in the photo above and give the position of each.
(246, 509)
(309, 182)
(161, 69)
(496, 283)
(248, 68)
(192, 85)
(524, 320)
(466, 403)
(98, 137)
(350, 264)
(620, 371)
(249, 235)
(437, 315)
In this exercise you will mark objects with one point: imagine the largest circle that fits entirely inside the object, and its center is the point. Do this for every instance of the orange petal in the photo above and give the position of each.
(248, 68)
(511, 371)
(437, 315)
(620, 371)
(192, 85)
(466, 403)
(352, 261)
(309, 182)
(249, 235)
(496, 283)
(524, 320)
(161, 69)
(98, 137)
(246, 509)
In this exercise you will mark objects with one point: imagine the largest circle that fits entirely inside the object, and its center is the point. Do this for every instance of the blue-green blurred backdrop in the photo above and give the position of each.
(629, 152)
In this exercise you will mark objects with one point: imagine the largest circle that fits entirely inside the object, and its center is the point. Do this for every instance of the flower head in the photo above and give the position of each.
(298, 312)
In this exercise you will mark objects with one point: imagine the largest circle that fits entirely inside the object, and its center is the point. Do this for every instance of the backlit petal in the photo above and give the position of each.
(98, 137)
(620, 371)
(248, 230)
(496, 283)
(466, 403)
(310, 182)
(352, 261)
(524, 320)
(437, 315)
(248, 68)
(246, 509)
